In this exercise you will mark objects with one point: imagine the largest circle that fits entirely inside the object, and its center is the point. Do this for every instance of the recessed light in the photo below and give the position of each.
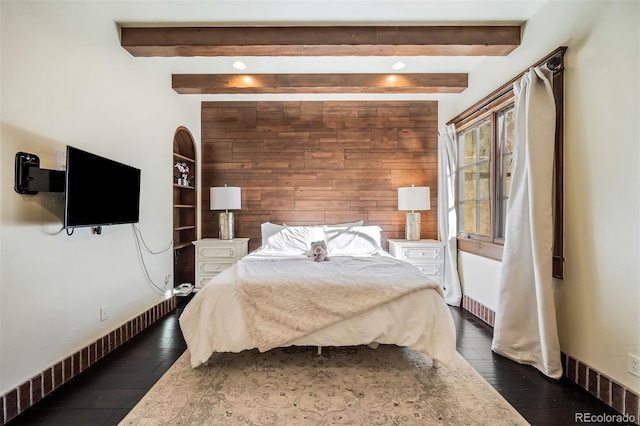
(239, 65)
(398, 65)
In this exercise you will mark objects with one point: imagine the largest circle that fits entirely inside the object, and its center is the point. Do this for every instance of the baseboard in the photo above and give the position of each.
(18, 399)
(607, 390)
(479, 310)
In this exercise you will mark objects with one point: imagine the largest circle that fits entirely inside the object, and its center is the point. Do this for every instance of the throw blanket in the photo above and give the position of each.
(286, 299)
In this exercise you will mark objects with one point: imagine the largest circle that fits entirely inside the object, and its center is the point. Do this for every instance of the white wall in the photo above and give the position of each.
(598, 302)
(66, 80)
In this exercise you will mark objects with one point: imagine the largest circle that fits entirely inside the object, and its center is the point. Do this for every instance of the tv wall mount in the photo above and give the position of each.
(31, 179)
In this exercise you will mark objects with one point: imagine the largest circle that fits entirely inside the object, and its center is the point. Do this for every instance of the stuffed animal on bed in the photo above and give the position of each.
(318, 251)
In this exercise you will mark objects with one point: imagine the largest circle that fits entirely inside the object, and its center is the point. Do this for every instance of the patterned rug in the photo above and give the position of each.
(343, 386)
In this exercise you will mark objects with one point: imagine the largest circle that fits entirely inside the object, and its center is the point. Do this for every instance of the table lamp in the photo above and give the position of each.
(225, 198)
(413, 198)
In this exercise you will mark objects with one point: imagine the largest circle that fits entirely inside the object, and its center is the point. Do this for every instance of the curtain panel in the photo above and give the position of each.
(447, 214)
(525, 326)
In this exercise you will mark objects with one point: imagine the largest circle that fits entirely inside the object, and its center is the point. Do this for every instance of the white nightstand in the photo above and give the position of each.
(214, 256)
(427, 255)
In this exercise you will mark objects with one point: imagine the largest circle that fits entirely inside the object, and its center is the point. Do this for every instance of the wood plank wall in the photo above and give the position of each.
(319, 162)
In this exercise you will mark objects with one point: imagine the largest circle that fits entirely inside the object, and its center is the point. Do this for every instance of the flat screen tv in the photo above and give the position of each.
(99, 191)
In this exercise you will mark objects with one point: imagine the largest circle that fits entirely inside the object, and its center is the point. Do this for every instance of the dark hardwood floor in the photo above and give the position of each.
(106, 392)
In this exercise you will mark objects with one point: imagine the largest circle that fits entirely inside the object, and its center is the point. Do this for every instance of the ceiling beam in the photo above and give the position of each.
(321, 41)
(318, 83)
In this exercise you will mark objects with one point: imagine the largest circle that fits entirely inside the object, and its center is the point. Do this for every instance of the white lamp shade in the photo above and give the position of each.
(414, 198)
(225, 198)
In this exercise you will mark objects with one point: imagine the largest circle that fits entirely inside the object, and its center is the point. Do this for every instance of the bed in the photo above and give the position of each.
(278, 296)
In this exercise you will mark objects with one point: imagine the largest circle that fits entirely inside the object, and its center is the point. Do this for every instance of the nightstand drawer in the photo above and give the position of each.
(203, 279)
(430, 268)
(426, 253)
(214, 252)
(212, 267)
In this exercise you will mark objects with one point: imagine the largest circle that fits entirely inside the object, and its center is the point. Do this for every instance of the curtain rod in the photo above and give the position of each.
(554, 61)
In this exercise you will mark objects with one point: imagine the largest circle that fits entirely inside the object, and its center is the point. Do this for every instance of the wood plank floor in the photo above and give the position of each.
(106, 392)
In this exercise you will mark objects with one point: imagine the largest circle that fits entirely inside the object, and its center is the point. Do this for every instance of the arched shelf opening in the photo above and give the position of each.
(184, 206)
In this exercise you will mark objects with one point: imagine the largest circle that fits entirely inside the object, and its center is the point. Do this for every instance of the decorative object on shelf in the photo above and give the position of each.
(225, 198)
(183, 177)
(413, 198)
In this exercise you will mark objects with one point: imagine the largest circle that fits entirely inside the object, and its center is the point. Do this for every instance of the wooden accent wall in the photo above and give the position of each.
(319, 162)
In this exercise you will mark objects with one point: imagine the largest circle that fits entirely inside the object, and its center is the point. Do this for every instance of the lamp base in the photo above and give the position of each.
(412, 226)
(225, 226)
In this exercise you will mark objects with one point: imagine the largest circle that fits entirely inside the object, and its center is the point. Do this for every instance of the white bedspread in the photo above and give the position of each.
(286, 299)
(215, 321)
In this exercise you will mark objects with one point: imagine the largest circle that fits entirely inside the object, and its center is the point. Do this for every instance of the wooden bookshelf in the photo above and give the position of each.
(184, 209)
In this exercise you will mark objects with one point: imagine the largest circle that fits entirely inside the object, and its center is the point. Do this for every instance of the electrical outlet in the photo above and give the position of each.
(633, 364)
(103, 313)
(167, 280)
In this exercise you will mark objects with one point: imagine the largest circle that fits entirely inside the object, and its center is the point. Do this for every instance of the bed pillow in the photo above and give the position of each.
(268, 229)
(353, 240)
(357, 223)
(293, 240)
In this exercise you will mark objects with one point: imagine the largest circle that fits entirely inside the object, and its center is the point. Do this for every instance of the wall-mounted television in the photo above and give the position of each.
(99, 191)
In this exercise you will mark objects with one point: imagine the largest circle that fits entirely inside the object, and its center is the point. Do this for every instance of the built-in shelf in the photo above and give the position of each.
(182, 157)
(185, 228)
(175, 185)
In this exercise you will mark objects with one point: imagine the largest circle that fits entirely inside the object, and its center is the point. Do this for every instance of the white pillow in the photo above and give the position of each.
(357, 223)
(268, 229)
(353, 240)
(293, 240)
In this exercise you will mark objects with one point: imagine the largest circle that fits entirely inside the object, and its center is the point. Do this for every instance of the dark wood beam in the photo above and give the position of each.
(321, 41)
(318, 83)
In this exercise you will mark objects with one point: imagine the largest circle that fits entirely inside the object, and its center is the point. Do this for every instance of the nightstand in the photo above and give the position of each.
(214, 255)
(427, 255)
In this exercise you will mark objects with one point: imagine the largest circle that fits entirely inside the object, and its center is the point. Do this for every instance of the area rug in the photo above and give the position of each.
(389, 385)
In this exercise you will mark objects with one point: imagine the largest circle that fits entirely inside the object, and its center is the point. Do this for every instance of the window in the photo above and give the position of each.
(485, 158)
(506, 131)
(485, 149)
(474, 202)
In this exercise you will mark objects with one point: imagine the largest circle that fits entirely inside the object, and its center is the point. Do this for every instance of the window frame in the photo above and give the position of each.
(476, 125)
(489, 106)
(499, 215)
(490, 113)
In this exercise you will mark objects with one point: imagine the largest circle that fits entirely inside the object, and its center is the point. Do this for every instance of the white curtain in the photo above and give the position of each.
(447, 217)
(525, 326)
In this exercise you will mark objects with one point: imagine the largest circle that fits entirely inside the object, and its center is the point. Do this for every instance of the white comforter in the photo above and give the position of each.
(214, 321)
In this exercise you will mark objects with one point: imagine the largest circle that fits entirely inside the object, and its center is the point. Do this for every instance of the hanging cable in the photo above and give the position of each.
(144, 244)
(137, 238)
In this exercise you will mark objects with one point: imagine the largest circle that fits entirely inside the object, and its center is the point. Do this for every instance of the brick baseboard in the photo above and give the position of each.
(607, 390)
(18, 399)
(479, 310)
(612, 393)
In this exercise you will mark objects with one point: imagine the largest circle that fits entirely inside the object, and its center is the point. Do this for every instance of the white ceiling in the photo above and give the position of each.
(319, 12)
